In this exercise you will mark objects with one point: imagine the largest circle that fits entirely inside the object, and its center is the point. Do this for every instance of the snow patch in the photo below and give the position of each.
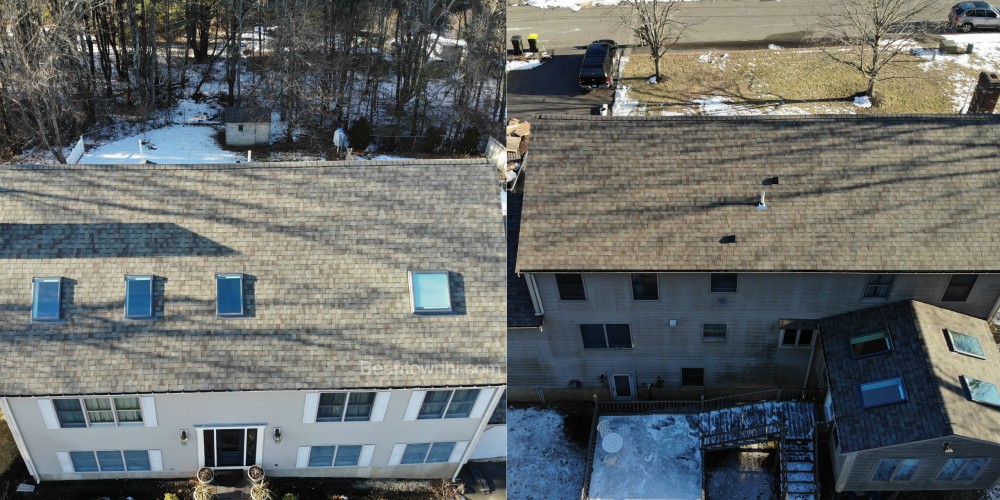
(175, 144)
(522, 65)
(542, 463)
(863, 101)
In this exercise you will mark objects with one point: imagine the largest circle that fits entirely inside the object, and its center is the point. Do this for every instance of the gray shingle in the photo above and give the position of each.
(872, 193)
(328, 247)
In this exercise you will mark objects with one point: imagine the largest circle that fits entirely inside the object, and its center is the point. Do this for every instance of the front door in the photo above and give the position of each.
(229, 447)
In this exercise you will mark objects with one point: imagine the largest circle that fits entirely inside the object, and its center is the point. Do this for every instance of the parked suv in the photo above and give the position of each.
(600, 65)
(968, 15)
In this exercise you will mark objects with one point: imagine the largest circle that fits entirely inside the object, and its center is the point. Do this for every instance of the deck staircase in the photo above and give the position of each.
(790, 424)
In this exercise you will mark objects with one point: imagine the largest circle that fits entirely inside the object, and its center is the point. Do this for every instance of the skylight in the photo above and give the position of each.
(430, 291)
(883, 392)
(873, 343)
(965, 344)
(47, 303)
(981, 392)
(229, 294)
(139, 297)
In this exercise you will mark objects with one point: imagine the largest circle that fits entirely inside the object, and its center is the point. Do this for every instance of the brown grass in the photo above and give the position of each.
(791, 75)
(8, 450)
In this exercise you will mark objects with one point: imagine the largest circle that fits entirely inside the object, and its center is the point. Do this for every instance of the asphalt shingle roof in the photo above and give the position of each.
(327, 247)
(936, 405)
(520, 311)
(871, 193)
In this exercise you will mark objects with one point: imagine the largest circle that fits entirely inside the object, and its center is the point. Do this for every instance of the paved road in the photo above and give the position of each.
(551, 88)
(722, 22)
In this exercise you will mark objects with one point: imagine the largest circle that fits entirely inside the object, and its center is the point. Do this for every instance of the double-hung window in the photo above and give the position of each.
(606, 336)
(644, 287)
(724, 282)
(98, 412)
(448, 404)
(427, 453)
(335, 456)
(714, 332)
(345, 407)
(110, 461)
(797, 337)
(961, 469)
(571, 287)
(878, 286)
(959, 287)
(895, 469)
(46, 302)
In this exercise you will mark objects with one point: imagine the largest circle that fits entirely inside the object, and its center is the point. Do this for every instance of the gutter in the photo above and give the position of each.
(19, 439)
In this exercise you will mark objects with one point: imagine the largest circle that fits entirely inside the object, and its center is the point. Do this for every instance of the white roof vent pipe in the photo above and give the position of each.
(760, 204)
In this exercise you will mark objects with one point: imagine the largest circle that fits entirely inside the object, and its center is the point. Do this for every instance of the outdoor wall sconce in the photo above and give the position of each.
(184, 436)
(277, 434)
(948, 448)
(604, 378)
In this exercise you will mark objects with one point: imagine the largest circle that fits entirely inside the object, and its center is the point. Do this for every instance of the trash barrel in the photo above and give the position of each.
(516, 42)
(533, 42)
(968, 49)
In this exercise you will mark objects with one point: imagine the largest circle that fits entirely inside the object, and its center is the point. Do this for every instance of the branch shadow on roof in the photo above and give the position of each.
(73, 241)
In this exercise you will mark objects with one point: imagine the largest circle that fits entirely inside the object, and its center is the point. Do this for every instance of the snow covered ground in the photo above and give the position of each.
(570, 4)
(520, 65)
(542, 464)
(742, 474)
(647, 456)
(175, 144)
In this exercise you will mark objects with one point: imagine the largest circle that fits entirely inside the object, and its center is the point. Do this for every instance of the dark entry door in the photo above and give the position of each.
(229, 445)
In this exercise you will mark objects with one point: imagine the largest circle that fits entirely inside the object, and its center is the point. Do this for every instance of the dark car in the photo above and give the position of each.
(968, 15)
(600, 65)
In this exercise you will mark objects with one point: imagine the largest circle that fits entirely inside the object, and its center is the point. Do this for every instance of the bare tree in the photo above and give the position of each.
(655, 24)
(868, 35)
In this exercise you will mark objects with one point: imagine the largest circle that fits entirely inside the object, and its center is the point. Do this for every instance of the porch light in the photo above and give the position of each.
(277, 434)
(184, 436)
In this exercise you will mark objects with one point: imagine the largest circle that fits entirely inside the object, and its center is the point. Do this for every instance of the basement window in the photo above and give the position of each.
(883, 392)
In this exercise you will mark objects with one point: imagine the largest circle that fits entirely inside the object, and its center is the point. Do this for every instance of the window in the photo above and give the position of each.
(139, 297)
(692, 377)
(47, 301)
(622, 386)
(98, 412)
(801, 337)
(69, 412)
(240, 127)
(448, 404)
(499, 415)
(644, 287)
(110, 461)
(571, 287)
(895, 469)
(959, 287)
(980, 391)
(965, 344)
(427, 453)
(879, 286)
(345, 407)
(611, 336)
(714, 332)
(724, 282)
(334, 456)
(961, 469)
(229, 294)
(430, 291)
(872, 343)
(883, 392)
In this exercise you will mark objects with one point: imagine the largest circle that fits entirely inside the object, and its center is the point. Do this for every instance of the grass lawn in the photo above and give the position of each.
(915, 85)
(8, 450)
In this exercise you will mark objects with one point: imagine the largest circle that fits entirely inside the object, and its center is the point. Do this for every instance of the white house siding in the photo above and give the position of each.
(750, 357)
(175, 412)
(492, 444)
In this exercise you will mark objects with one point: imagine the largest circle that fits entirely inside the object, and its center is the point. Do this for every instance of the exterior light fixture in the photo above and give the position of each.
(277, 435)
(948, 448)
(183, 436)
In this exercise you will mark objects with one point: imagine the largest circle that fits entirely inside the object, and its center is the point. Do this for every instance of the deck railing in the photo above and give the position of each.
(690, 406)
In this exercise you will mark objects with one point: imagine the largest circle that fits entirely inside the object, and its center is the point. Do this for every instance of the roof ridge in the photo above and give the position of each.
(813, 117)
(247, 165)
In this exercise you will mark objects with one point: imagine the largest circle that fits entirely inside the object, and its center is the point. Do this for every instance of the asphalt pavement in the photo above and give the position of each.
(723, 24)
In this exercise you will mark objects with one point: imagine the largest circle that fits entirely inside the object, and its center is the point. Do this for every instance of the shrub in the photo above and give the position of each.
(360, 134)
(289, 496)
(170, 496)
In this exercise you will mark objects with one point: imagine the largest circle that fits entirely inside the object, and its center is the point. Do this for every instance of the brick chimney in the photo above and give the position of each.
(984, 99)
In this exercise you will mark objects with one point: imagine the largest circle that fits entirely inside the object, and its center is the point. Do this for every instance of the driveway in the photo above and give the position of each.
(552, 88)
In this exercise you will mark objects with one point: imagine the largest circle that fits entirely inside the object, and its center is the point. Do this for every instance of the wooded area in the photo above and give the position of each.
(68, 67)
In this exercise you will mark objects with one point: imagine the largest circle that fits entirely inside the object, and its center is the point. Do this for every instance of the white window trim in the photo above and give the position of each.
(401, 448)
(448, 404)
(614, 386)
(369, 448)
